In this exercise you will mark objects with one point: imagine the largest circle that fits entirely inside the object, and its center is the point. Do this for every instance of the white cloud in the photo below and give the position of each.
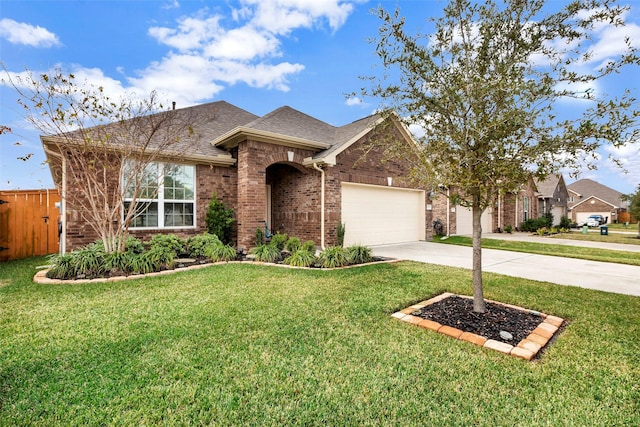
(26, 34)
(629, 157)
(354, 100)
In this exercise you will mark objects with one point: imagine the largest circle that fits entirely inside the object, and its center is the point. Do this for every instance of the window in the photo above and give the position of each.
(526, 208)
(166, 195)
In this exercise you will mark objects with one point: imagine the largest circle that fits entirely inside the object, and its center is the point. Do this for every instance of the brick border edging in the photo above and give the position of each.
(42, 279)
(526, 349)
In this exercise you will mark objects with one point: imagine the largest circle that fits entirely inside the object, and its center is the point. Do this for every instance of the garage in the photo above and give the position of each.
(464, 221)
(581, 217)
(376, 215)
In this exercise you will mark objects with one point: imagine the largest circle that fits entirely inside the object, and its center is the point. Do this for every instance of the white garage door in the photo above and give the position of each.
(582, 216)
(464, 221)
(376, 215)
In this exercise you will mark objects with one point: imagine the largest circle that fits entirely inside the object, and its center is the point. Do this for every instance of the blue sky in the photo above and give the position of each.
(256, 54)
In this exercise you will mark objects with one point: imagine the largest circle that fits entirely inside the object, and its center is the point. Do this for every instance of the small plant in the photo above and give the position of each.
(333, 257)
(61, 267)
(542, 231)
(340, 230)
(266, 253)
(293, 245)
(169, 243)
(565, 222)
(279, 240)
(508, 229)
(161, 256)
(89, 261)
(259, 237)
(220, 220)
(358, 254)
(197, 245)
(309, 246)
(300, 258)
(221, 252)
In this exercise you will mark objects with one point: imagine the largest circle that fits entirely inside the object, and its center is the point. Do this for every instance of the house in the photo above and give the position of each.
(553, 197)
(286, 169)
(587, 197)
(509, 209)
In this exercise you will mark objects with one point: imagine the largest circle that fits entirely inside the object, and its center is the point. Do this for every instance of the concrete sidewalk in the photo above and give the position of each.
(527, 237)
(608, 277)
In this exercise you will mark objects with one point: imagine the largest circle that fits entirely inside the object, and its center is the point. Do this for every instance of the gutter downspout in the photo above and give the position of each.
(316, 167)
(448, 213)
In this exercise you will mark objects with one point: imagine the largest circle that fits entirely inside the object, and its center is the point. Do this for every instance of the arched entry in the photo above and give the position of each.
(293, 200)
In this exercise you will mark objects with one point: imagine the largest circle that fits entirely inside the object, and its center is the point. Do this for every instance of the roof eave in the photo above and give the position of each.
(232, 138)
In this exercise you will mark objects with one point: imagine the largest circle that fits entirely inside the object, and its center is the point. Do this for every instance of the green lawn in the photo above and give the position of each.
(595, 236)
(256, 345)
(593, 254)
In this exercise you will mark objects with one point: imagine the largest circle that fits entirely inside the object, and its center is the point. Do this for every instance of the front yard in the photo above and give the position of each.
(244, 344)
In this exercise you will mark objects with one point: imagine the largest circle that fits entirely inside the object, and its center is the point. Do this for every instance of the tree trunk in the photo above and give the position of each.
(479, 305)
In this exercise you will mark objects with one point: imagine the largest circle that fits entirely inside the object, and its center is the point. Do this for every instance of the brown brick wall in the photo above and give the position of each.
(597, 206)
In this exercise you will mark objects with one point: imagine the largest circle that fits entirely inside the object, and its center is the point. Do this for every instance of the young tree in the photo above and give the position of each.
(634, 206)
(103, 147)
(485, 88)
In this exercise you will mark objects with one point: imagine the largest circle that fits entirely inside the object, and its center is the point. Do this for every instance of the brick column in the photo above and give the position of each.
(251, 193)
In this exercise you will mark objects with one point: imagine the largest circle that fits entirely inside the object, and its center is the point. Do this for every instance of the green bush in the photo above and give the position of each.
(533, 224)
(221, 252)
(565, 222)
(61, 267)
(279, 240)
(259, 239)
(332, 257)
(197, 245)
(266, 253)
(508, 229)
(169, 243)
(309, 246)
(358, 254)
(220, 220)
(292, 245)
(161, 256)
(89, 261)
(300, 258)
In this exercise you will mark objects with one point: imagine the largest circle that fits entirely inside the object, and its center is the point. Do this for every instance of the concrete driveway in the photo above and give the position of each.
(603, 276)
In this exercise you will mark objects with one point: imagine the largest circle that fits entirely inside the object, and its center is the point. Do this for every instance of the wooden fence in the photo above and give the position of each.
(28, 223)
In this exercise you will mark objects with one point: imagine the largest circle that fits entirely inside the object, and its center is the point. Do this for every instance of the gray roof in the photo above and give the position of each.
(216, 122)
(548, 187)
(586, 188)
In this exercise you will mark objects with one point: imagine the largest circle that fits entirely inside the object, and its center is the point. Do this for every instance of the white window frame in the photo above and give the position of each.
(160, 200)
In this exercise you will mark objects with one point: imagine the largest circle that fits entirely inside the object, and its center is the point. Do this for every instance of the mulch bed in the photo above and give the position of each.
(457, 312)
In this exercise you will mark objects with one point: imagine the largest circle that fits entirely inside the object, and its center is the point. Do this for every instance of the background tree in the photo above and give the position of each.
(485, 87)
(634, 206)
(103, 146)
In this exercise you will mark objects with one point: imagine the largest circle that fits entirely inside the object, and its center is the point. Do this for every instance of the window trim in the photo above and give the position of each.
(160, 200)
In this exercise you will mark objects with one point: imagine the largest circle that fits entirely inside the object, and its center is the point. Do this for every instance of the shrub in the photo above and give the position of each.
(542, 231)
(259, 237)
(292, 245)
(508, 229)
(61, 267)
(266, 253)
(358, 254)
(565, 222)
(221, 252)
(197, 245)
(300, 258)
(332, 257)
(309, 246)
(340, 230)
(533, 224)
(168, 243)
(161, 257)
(279, 240)
(89, 261)
(547, 218)
(220, 220)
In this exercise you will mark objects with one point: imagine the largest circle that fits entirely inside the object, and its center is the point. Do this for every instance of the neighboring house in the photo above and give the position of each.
(507, 210)
(299, 174)
(587, 197)
(553, 197)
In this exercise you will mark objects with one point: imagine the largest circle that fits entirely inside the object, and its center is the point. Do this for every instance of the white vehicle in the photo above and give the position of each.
(593, 221)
